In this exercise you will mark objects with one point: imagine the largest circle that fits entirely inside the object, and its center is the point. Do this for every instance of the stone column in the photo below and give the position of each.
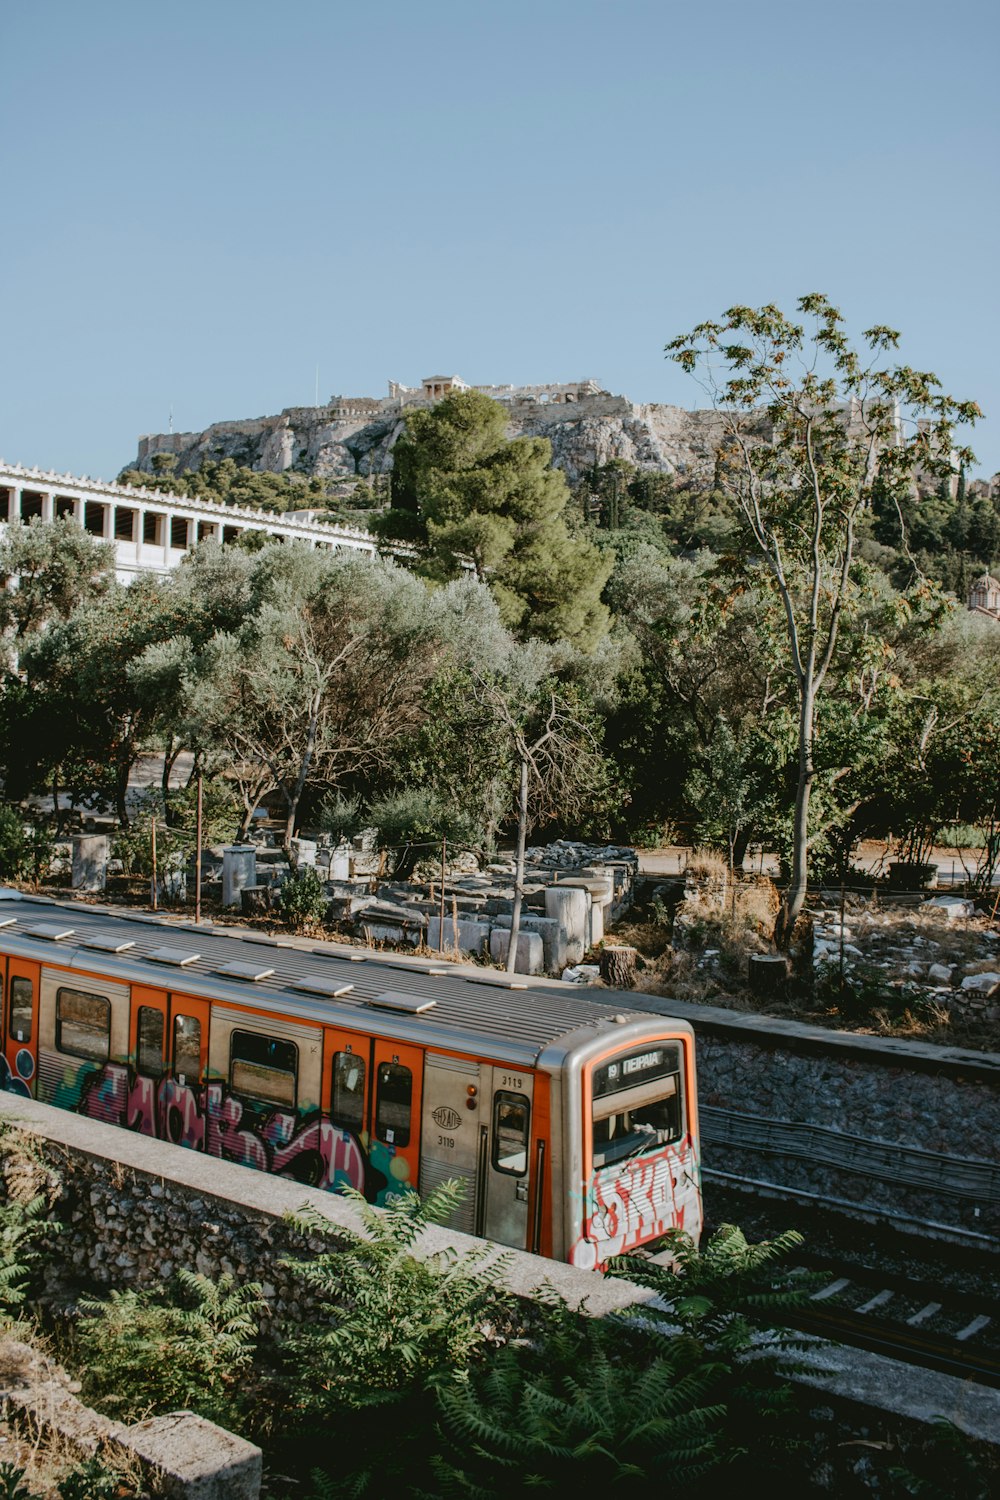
(303, 853)
(568, 904)
(239, 869)
(48, 506)
(14, 503)
(90, 861)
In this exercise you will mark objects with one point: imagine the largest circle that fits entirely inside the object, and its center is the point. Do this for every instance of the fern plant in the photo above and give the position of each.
(392, 1327)
(584, 1406)
(27, 1228)
(730, 1301)
(153, 1352)
(390, 1319)
(12, 1485)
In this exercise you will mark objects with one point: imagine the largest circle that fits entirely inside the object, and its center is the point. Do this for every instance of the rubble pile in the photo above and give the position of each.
(944, 948)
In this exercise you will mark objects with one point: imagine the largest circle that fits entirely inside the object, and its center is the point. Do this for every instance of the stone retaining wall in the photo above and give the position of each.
(137, 1209)
(904, 1093)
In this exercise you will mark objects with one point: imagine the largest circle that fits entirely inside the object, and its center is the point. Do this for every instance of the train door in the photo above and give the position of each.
(189, 1019)
(21, 1031)
(395, 1094)
(169, 1044)
(451, 1141)
(149, 1053)
(477, 1121)
(346, 1077)
(504, 1159)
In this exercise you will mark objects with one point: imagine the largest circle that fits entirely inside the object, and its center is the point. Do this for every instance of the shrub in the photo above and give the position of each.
(725, 1297)
(304, 900)
(164, 1350)
(27, 1228)
(583, 1406)
(392, 1328)
(390, 1319)
(342, 817)
(24, 850)
(414, 821)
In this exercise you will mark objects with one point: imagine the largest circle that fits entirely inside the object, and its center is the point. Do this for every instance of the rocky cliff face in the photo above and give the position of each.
(325, 441)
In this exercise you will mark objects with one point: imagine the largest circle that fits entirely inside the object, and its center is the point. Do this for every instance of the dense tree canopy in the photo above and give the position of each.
(466, 495)
(768, 655)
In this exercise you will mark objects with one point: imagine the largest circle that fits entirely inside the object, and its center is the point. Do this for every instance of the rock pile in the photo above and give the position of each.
(943, 949)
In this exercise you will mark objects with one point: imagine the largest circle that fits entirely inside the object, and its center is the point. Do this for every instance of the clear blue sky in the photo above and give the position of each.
(203, 201)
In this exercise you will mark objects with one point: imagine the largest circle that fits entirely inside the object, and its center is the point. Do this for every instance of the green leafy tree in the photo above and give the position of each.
(79, 689)
(732, 787)
(537, 697)
(229, 483)
(463, 493)
(47, 569)
(322, 679)
(814, 432)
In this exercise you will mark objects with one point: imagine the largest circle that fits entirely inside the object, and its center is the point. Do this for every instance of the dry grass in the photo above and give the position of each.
(707, 864)
(46, 1459)
(721, 930)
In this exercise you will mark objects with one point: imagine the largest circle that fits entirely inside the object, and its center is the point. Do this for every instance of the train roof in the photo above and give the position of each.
(445, 1004)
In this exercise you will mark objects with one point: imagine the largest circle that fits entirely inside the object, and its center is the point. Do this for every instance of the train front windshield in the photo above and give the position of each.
(638, 1103)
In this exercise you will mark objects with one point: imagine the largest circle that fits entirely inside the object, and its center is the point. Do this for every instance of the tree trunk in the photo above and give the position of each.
(255, 901)
(170, 754)
(767, 974)
(121, 790)
(795, 895)
(618, 967)
(522, 838)
(740, 846)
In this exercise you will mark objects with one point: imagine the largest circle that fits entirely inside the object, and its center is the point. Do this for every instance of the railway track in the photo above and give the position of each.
(908, 1296)
(916, 1322)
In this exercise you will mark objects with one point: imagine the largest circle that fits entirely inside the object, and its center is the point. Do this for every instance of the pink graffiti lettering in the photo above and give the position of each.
(142, 1108)
(181, 1120)
(634, 1203)
(225, 1138)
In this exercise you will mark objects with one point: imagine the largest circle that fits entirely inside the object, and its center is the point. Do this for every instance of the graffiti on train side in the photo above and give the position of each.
(633, 1203)
(302, 1145)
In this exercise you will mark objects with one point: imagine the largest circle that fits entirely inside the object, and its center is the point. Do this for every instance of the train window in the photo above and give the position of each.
(83, 1025)
(149, 1042)
(347, 1105)
(511, 1113)
(638, 1105)
(187, 1049)
(393, 1101)
(21, 1007)
(263, 1068)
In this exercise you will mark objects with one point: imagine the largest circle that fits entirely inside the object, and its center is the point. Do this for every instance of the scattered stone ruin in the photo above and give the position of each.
(573, 892)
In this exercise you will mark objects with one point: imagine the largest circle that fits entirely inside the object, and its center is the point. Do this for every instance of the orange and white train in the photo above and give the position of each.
(570, 1118)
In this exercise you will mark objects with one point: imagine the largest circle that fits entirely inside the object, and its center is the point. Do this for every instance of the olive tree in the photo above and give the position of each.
(323, 678)
(815, 431)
